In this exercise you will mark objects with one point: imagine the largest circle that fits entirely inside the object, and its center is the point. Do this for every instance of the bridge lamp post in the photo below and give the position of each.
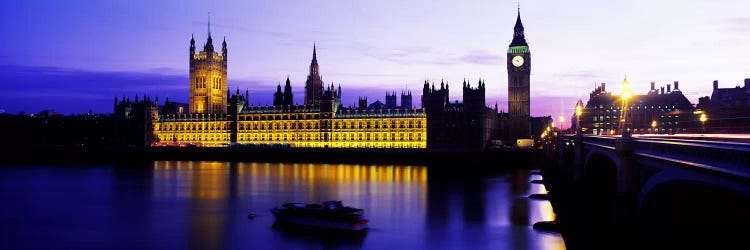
(653, 126)
(627, 93)
(561, 123)
(703, 120)
(579, 112)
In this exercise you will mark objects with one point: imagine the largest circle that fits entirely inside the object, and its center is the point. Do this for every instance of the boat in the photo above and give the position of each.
(327, 215)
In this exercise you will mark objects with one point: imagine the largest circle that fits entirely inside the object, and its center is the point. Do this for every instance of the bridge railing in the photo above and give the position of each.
(607, 142)
(728, 157)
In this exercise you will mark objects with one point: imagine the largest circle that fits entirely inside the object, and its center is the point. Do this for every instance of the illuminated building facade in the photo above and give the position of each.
(208, 78)
(659, 111)
(315, 126)
(321, 122)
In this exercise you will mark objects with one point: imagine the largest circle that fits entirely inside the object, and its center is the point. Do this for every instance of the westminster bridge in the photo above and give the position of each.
(660, 187)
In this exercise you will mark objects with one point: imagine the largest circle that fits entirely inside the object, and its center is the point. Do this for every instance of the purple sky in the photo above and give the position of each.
(73, 56)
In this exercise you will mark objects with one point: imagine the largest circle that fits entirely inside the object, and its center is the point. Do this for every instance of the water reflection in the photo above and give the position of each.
(204, 205)
(210, 186)
(487, 207)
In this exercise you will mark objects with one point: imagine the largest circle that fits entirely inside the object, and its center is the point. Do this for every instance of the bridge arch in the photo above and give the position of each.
(600, 180)
(693, 207)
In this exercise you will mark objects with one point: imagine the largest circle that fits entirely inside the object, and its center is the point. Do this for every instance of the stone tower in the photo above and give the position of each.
(208, 78)
(519, 71)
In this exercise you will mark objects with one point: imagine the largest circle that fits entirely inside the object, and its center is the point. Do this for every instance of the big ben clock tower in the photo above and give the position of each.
(519, 71)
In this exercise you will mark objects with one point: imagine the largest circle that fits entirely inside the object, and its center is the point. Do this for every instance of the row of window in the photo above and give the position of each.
(337, 125)
(194, 137)
(201, 82)
(336, 137)
(272, 117)
(188, 126)
(632, 116)
(297, 137)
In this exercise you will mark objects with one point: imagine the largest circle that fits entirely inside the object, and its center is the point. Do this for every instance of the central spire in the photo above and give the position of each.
(314, 83)
(315, 57)
(209, 42)
(314, 64)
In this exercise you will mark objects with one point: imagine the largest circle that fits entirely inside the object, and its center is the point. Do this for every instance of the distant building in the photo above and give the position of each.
(134, 121)
(539, 125)
(658, 111)
(390, 100)
(406, 100)
(728, 109)
(283, 99)
(470, 124)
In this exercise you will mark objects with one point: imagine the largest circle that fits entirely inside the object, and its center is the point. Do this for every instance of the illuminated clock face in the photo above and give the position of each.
(517, 61)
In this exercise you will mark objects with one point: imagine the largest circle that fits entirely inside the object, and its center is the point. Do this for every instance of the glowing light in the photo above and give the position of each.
(627, 93)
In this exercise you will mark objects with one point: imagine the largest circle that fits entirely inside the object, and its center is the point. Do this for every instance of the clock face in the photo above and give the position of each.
(517, 61)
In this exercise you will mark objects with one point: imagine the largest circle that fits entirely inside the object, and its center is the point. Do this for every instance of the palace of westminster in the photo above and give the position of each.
(216, 117)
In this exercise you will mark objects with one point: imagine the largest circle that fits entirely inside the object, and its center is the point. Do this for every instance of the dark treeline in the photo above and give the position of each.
(55, 138)
(56, 130)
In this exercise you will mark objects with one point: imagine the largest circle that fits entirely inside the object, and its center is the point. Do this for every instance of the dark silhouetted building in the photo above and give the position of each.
(134, 121)
(390, 100)
(659, 111)
(406, 100)
(314, 83)
(470, 124)
(728, 109)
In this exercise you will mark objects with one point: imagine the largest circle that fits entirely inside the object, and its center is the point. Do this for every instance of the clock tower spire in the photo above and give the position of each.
(519, 72)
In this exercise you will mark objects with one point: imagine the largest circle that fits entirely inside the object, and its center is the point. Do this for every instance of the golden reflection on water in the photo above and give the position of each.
(212, 188)
(209, 187)
(209, 180)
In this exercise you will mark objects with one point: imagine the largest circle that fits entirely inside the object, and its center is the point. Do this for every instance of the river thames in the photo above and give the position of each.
(204, 205)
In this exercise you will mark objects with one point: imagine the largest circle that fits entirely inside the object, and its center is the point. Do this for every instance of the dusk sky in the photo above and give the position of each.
(72, 56)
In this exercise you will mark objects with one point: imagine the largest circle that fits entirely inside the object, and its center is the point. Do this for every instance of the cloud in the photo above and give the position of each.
(406, 55)
(429, 56)
(741, 24)
(482, 57)
(588, 75)
(365, 74)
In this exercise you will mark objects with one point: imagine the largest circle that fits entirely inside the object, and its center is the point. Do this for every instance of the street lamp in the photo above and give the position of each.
(627, 93)
(579, 112)
(653, 126)
(703, 120)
